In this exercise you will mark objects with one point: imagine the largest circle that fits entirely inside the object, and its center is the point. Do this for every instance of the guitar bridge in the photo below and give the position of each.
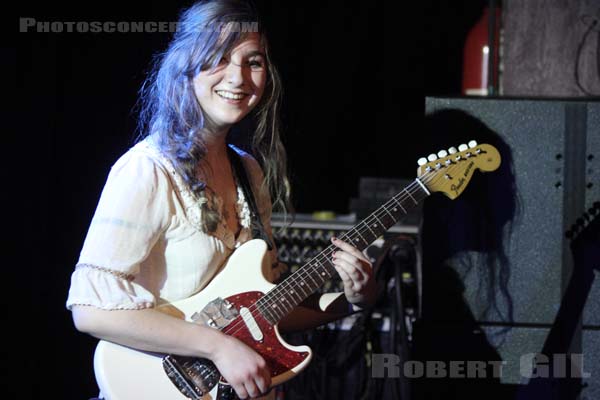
(217, 314)
(193, 377)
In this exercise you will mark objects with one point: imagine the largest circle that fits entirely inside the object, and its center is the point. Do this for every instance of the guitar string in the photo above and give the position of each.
(238, 324)
(326, 253)
(305, 271)
(308, 269)
(428, 177)
(314, 264)
(362, 228)
(361, 231)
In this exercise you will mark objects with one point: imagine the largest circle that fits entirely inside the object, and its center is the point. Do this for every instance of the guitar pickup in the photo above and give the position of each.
(217, 314)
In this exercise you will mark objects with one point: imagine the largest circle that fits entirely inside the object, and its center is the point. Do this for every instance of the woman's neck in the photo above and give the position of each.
(216, 146)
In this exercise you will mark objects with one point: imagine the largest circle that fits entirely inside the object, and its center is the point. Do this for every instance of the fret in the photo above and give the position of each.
(301, 285)
(409, 195)
(381, 225)
(378, 220)
(375, 235)
(292, 291)
(399, 203)
(387, 220)
(355, 230)
(291, 306)
(317, 285)
(325, 274)
(275, 308)
(394, 220)
(264, 310)
(306, 280)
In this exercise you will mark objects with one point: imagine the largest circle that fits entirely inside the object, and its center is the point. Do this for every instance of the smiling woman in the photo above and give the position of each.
(174, 209)
(238, 80)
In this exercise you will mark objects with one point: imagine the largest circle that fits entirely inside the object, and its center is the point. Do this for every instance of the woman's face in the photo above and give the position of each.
(235, 86)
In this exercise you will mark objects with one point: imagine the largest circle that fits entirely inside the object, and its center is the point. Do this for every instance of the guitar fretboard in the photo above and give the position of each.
(282, 299)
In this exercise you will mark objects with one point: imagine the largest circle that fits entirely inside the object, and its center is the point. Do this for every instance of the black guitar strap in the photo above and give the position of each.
(258, 230)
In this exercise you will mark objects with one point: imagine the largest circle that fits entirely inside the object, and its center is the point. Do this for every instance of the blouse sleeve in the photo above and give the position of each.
(133, 210)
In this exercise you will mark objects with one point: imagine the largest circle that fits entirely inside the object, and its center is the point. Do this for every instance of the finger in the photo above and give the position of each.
(351, 281)
(355, 279)
(342, 273)
(240, 390)
(262, 384)
(354, 274)
(354, 261)
(251, 389)
(350, 249)
(351, 266)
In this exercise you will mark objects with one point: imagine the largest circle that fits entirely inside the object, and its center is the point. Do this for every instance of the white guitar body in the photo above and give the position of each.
(123, 373)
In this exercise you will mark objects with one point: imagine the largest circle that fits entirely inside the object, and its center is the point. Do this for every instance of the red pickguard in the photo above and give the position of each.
(279, 358)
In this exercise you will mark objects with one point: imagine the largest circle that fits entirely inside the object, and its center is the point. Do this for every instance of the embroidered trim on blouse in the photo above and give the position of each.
(191, 203)
(242, 208)
(118, 274)
(133, 306)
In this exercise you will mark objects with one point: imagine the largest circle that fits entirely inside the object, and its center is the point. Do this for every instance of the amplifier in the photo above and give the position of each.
(309, 234)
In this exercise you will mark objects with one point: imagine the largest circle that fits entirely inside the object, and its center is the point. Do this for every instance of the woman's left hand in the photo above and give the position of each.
(356, 272)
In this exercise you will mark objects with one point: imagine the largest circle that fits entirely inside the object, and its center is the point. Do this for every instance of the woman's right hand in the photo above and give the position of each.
(243, 368)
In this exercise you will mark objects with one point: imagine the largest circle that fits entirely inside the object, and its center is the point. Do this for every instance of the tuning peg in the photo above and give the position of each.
(452, 150)
(432, 157)
(472, 144)
(442, 153)
(462, 147)
(422, 161)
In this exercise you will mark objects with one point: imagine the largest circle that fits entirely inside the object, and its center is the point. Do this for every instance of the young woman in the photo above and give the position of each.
(172, 210)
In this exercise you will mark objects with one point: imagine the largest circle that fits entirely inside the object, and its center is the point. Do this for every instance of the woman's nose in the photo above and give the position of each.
(234, 74)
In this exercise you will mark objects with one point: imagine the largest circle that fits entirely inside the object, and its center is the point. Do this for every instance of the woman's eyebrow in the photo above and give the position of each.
(255, 53)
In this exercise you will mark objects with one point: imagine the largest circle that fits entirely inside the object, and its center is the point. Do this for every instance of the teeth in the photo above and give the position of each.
(229, 95)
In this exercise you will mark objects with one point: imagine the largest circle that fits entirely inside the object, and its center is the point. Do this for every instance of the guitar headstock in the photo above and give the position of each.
(584, 235)
(450, 171)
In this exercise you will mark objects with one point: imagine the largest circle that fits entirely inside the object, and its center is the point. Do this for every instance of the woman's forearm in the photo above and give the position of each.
(148, 330)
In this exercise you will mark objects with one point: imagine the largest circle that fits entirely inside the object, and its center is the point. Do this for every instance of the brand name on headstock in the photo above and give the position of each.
(456, 188)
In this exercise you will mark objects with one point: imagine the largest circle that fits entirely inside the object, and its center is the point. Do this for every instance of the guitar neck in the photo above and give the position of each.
(282, 299)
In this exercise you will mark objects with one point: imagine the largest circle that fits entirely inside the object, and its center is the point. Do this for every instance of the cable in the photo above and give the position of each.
(402, 255)
(591, 27)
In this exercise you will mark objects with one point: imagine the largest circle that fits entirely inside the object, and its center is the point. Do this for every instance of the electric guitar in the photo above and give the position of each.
(241, 303)
(584, 241)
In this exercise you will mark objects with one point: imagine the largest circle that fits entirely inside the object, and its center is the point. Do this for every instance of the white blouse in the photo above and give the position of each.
(145, 245)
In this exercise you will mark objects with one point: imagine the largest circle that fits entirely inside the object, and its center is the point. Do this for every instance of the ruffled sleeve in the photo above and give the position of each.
(133, 210)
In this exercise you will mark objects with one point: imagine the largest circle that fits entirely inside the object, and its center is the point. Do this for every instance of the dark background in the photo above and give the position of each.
(355, 77)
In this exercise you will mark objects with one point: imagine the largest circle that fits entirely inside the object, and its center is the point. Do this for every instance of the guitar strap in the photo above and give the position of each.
(257, 228)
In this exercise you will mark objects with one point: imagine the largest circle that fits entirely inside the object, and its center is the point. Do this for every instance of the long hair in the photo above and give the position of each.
(171, 113)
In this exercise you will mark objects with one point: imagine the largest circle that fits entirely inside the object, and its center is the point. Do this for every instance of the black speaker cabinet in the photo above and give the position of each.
(520, 213)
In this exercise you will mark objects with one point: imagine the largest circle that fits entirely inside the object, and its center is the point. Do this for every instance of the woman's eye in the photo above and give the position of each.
(256, 64)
